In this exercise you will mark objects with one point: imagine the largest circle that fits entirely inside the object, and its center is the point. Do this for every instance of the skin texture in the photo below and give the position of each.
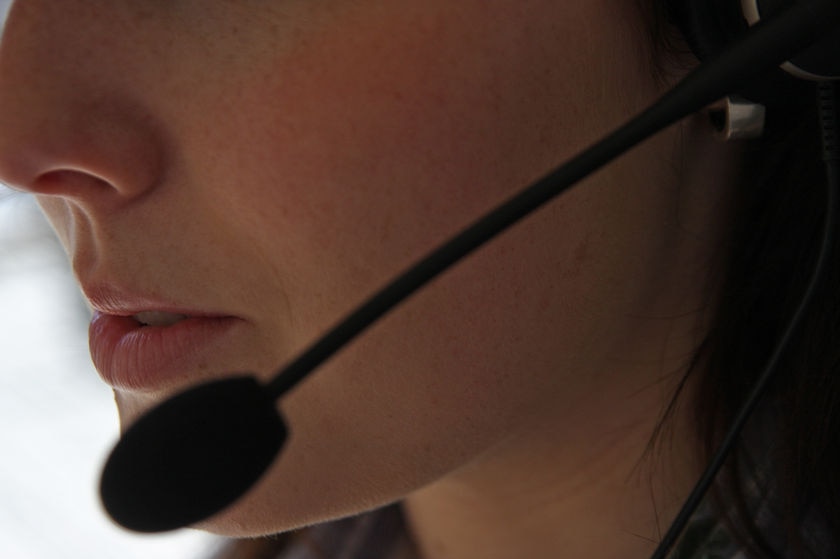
(277, 162)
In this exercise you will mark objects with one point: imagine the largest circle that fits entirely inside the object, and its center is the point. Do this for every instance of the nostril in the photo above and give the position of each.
(68, 182)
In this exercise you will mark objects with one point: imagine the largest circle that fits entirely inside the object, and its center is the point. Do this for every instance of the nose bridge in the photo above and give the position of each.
(61, 117)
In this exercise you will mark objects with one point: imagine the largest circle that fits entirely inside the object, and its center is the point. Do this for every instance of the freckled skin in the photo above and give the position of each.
(280, 161)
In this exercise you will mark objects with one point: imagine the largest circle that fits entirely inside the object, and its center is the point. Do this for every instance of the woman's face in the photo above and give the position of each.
(264, 166)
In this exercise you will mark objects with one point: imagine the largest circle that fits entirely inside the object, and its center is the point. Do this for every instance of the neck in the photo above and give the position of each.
(600, 494)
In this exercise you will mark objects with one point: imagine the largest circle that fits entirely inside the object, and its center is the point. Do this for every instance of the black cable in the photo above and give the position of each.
(831, 156)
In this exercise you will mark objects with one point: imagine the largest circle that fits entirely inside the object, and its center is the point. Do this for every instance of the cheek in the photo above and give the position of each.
(359, 168)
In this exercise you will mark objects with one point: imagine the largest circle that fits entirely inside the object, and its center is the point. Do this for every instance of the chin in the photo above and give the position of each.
(258, 516)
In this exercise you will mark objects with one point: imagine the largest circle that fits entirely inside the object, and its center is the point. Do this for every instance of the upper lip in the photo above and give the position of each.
(113, 300)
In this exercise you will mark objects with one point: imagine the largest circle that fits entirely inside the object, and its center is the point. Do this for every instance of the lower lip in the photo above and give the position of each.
(131, 356)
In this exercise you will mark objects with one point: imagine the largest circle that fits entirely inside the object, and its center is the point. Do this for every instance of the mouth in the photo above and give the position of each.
(157, 350)
(158, 318)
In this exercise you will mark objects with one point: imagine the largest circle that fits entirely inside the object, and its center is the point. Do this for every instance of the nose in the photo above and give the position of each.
(68, 128)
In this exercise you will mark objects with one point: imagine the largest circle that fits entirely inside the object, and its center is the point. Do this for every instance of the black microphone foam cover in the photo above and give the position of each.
(192, 456)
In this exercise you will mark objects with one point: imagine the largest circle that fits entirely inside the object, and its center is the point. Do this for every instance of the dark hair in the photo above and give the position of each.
(780, 489)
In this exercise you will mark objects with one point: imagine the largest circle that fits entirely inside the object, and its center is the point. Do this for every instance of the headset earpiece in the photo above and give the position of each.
(709, 26)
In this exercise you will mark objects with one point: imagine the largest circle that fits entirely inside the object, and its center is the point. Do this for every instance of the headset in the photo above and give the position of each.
(196, 453)
(711, 26)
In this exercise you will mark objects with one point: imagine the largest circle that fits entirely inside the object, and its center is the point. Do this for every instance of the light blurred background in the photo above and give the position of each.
(57, 419)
